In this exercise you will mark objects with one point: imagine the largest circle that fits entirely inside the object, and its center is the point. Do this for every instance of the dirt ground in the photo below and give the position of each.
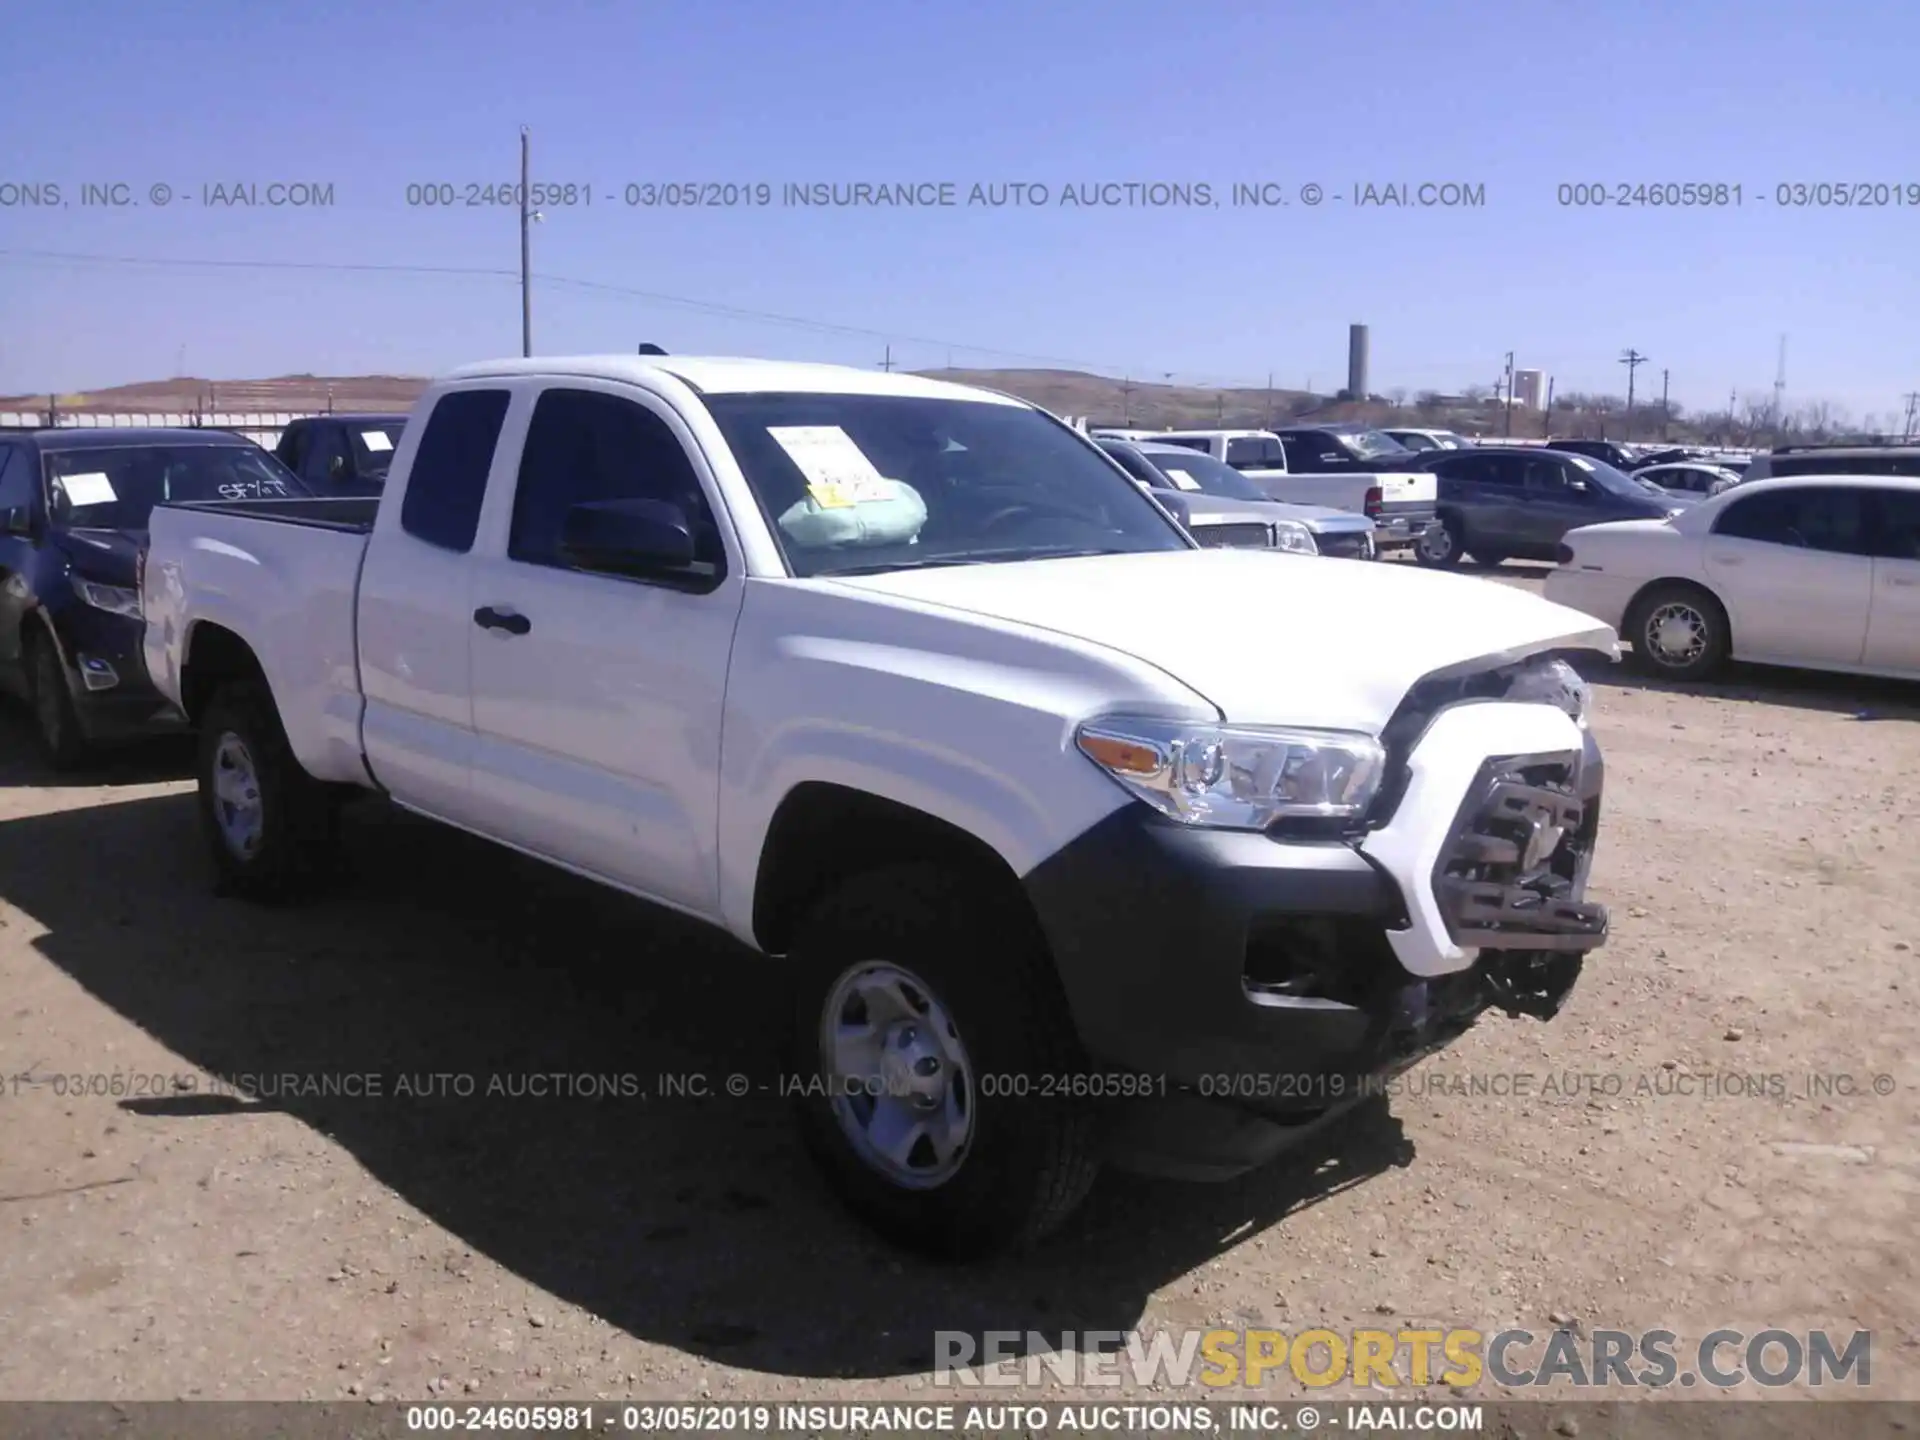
(160, 1239)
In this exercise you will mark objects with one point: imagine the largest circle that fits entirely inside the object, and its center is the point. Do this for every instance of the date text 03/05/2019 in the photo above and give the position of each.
(946, 194)
(1717, 194)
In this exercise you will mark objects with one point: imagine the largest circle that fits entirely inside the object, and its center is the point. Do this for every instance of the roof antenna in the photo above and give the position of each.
(651, 350)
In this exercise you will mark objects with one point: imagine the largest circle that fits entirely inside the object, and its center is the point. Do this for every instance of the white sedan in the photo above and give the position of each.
(1690, 479)
(1816, 571)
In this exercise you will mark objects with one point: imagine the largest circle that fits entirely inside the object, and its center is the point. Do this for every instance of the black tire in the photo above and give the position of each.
(63, 744)
(1030, 1160)
(1439, 546)
(1655, 607)
(295, 846)
(1488, 559)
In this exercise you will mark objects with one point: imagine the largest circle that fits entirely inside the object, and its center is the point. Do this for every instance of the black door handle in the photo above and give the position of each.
(491, 619)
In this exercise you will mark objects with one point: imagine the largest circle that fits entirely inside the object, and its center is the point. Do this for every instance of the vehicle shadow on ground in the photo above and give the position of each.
(1858, 697)
(144, 762)
(690, 1222)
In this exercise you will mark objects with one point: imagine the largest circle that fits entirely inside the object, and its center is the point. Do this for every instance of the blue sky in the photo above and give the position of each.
(1516, 98)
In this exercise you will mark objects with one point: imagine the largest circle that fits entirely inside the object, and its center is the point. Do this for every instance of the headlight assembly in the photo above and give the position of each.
(115, 599)
(1236, 777)
(1292, 535)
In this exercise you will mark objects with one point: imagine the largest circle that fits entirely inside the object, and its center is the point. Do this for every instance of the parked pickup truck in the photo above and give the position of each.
(1341, 466)
(1067, 855)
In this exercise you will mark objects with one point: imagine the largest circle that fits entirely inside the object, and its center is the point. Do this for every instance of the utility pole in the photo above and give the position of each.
(1906, 429)
(526, 251)
(1546, 415)
(887, 363)
(1126, 402)
(1664, 423)
(1220, 406)
(1633, 360)
(1269, 399)
(1780, 387)
(1509, 427)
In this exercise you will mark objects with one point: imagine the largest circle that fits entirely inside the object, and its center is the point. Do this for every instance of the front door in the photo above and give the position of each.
(597, 697)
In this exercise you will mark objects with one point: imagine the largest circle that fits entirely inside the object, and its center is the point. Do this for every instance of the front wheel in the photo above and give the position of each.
(929, 1044)
(269, 825)
(55, 721)
(1679, 631)
(1438, 547)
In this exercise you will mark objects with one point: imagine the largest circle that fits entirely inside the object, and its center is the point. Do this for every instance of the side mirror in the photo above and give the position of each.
(1580, 487)
(17, 520)
(336, 467)
(628, 537)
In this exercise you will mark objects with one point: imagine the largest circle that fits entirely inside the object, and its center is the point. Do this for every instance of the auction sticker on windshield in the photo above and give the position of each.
(1183, 479)
(91, 488)
(837, 470)
(376, 439)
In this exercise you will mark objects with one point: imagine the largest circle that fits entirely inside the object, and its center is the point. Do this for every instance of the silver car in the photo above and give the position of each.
(1220, 506)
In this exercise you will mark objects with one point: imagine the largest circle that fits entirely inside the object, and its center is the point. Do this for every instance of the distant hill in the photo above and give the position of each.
(285, 392)
(1100, 398)
(1065, 392)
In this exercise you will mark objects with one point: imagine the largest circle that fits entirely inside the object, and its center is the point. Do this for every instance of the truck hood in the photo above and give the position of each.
(1266, 637)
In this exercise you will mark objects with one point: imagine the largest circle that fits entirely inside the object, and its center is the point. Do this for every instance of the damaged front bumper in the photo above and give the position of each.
(1261, 986)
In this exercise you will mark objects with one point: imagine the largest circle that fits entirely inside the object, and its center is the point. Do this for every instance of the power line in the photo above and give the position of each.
(709, 307)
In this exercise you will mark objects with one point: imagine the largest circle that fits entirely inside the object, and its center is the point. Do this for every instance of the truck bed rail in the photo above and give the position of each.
(351, 513)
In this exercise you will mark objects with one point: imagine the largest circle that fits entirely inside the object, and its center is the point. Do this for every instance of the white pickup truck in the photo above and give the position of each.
(1071, 853)
(1342, 466)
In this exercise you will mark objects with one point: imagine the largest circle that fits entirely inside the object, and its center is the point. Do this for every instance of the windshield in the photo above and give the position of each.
(859, 483)
(374, 442)
(116, 488)
(1608, 478)
(1370, 444)
(1204, 474)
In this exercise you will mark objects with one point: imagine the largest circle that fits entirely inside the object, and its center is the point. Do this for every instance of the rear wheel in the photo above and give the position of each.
(55, 721)
(1438, 547)
(1679, 631)
(927, 1023)
(268, 824)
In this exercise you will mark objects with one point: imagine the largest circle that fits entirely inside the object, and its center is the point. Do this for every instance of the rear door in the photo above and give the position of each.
(598, 711)
(1485, 490)
(1893, 623)
(415, 615)
(1795, 570)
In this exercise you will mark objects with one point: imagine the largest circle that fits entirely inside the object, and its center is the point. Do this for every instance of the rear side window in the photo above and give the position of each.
(16, 478)
(1246, 453)
(1825, 518)
(1188, 441)
(449, 476)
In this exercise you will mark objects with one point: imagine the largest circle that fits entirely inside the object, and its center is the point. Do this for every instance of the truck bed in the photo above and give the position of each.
(351, 513)
(284, 574)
